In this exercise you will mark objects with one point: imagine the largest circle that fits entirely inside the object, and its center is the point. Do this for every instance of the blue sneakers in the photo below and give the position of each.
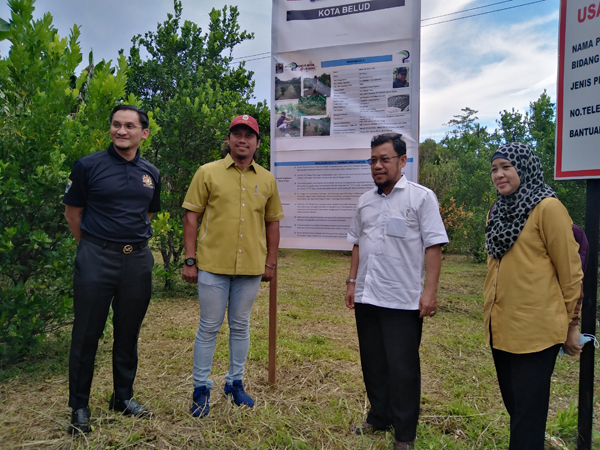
(200, 402)
(236, 391)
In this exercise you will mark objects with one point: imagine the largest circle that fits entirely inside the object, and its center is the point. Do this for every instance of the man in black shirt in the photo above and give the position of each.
(109, 200)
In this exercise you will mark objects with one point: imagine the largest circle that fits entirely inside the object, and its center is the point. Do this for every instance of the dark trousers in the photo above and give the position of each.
(104, 276)
(389, 341)
(524, 381)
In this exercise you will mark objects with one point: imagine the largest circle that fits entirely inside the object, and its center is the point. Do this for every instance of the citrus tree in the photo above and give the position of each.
(189, 82)
(45, 125)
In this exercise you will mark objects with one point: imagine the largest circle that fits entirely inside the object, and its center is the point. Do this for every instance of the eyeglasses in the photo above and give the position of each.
(385, 160)
(128, 126)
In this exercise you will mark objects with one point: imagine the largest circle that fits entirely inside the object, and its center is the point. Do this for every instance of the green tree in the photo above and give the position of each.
(513, 127)
(435, 171)
(468, 148)
(4, 29)
(188, 80)
(44, 127)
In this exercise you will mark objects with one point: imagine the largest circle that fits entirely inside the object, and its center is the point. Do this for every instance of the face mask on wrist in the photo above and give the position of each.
(584, 338)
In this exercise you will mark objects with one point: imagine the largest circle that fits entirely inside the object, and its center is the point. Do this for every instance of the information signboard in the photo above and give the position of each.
(342, 72)
(578, 103)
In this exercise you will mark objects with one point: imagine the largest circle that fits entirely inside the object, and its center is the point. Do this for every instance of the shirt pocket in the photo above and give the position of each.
(259, 201)
(396, 225)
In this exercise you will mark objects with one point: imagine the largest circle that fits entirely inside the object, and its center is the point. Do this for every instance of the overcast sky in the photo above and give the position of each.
(490, 62)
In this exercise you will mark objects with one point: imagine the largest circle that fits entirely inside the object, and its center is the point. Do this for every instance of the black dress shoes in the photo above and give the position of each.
(366, 428)
(80, 421)
(129, 407)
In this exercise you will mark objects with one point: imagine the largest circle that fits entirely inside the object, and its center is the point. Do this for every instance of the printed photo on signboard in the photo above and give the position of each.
(400, 77)
(317, 85)
(288, 120)
(314, 105)
(287, 89)
(398, 103)
(316, 126)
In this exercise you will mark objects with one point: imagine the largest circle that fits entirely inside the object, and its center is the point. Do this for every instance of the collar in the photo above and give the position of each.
(229, 162)
(400, 184)
(119, 159)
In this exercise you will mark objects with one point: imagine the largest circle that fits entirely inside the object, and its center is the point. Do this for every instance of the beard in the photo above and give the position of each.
(383, 185)
(123, 149)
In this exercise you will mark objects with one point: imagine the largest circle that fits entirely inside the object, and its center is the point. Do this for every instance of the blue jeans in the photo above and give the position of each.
(236, 293)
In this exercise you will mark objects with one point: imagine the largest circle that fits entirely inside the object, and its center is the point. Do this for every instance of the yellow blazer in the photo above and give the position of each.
(530, 294)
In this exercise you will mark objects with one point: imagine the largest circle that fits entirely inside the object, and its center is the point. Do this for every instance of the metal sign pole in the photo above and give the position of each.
(588, 317)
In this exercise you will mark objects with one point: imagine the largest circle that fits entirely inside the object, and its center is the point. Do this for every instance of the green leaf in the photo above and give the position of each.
(4, 29)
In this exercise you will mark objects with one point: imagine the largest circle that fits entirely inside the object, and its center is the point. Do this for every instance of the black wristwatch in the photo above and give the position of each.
(191, 261)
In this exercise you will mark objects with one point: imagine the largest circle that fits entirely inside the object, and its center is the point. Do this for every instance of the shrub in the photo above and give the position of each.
(48, 119)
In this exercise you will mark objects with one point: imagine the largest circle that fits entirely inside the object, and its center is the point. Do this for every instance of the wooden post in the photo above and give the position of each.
(273, 327)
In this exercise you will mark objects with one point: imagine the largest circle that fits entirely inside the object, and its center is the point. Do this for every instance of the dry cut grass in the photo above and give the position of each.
(319, 390)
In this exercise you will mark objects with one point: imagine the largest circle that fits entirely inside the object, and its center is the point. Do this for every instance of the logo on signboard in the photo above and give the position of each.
(405, 54)
(302, 67)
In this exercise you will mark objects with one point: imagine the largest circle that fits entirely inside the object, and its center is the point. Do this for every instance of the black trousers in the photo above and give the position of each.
(389, 341)
(104, 276)
(524, 381)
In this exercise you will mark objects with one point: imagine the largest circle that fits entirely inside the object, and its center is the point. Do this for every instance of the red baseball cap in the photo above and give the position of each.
(245, 120)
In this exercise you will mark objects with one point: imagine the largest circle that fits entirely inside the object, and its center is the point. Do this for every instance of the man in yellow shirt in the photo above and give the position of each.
(236, 202)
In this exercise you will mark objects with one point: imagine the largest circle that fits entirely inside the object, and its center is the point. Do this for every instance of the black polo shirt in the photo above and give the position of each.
(116, 194)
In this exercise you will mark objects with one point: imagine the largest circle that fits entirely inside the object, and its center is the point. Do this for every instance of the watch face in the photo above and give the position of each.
(190, 261)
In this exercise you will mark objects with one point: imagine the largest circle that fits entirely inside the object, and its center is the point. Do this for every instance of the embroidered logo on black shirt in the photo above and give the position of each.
(147, 180)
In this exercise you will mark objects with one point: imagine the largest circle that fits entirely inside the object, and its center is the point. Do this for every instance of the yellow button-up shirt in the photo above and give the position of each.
(235, 205)
(531, 293)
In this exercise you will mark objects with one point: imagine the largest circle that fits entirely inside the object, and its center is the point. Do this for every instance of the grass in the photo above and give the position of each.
(319, 390)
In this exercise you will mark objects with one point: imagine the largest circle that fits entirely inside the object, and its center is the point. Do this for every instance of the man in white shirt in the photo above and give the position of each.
(397, 234)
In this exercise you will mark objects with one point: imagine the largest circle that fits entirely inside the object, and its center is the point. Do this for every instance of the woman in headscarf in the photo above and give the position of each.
(531, 290)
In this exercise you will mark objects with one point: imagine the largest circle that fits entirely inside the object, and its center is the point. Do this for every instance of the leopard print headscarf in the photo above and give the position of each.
(512, 211)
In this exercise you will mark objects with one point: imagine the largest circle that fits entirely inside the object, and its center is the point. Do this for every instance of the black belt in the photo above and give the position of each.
(118, 246)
